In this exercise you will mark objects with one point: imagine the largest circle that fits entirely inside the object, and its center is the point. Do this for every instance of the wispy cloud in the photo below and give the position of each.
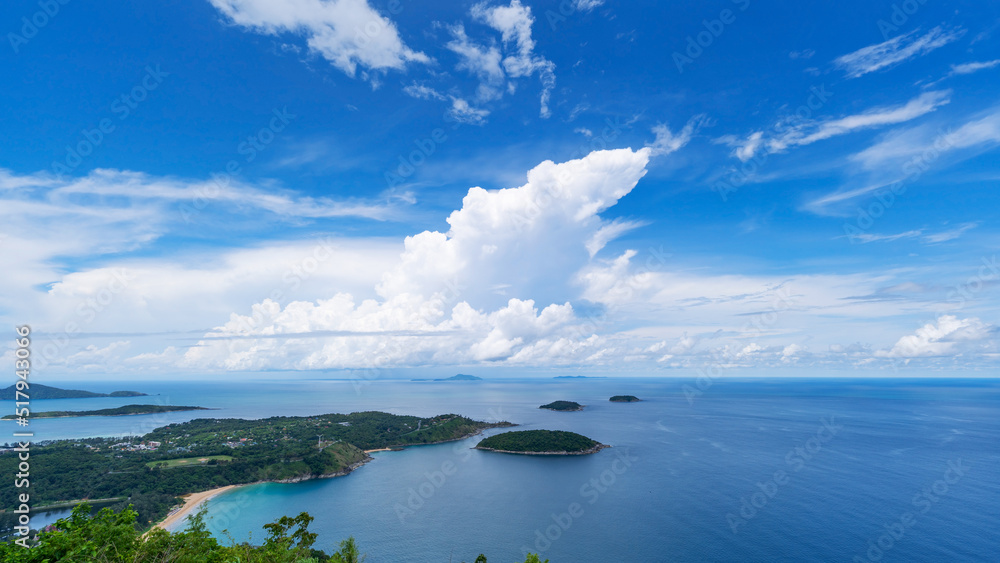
(422, 92)
(896, 50)
(907, 153)
(969, 68)
(931, 238)
(866, 238)
(951, 234)
(810, 131)
(667, 142)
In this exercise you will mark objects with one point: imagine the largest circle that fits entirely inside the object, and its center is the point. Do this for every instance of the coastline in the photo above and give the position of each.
(191, 502)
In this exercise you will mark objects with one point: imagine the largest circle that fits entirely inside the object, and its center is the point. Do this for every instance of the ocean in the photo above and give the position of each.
(740, 470)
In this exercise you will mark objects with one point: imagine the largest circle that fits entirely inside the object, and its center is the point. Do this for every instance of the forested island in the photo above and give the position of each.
(624, 399)
(147, 472)
(39, 391)
(563, 406)
(541, 442)
(116, 411)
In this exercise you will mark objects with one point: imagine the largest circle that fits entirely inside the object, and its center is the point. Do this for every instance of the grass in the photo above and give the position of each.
(188, 461)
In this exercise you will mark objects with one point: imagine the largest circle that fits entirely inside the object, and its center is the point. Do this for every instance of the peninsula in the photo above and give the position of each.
(151, 472)
(563, 406)
(39, 391)
(541, 442)
(117, 411)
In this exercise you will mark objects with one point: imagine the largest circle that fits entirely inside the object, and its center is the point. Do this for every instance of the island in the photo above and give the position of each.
(39, 391)
(541, 442)
(565, 406)
(624, 399)
(459, 377)
(151, 472)
(117, 411)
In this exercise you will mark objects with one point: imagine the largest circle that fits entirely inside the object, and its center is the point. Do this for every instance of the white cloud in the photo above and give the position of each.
(865, 238)
(909, 152)
(587, 5)
(950, 234)
(514, 24)
(481, 61)
(422, 92)
(811, 131)
(462, 112)
(437, 305)
(348, 33)
(610, 232)
(92, 356)
(945, 337)
(667, 142)
(969, 68)
(894, 51)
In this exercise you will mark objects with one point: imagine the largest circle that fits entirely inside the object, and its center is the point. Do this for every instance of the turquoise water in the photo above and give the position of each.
(786, 470)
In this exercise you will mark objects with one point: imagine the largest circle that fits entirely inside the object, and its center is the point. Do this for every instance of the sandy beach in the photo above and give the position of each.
(190, 503)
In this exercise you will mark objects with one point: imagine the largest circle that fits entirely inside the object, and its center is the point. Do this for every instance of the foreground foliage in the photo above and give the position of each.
(109, 537)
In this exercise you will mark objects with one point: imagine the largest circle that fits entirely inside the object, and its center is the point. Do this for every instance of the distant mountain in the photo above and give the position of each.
(577, 377)
(39, 391)
(459, 377)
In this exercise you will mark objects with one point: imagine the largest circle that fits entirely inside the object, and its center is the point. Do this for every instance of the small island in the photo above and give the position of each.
(624, 399)
(117, 411)
(563, 406)
(459, 377)
(541, 442)
(39, 391)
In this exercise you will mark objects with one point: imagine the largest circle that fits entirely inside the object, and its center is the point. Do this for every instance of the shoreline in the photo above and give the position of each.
(191, 502)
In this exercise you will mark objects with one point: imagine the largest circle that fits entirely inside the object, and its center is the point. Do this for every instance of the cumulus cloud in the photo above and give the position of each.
(895, 51)
(440, 303)
(348, 33)
(944, 337)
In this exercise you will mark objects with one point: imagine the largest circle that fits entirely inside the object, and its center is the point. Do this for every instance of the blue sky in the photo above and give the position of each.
(254, 185)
